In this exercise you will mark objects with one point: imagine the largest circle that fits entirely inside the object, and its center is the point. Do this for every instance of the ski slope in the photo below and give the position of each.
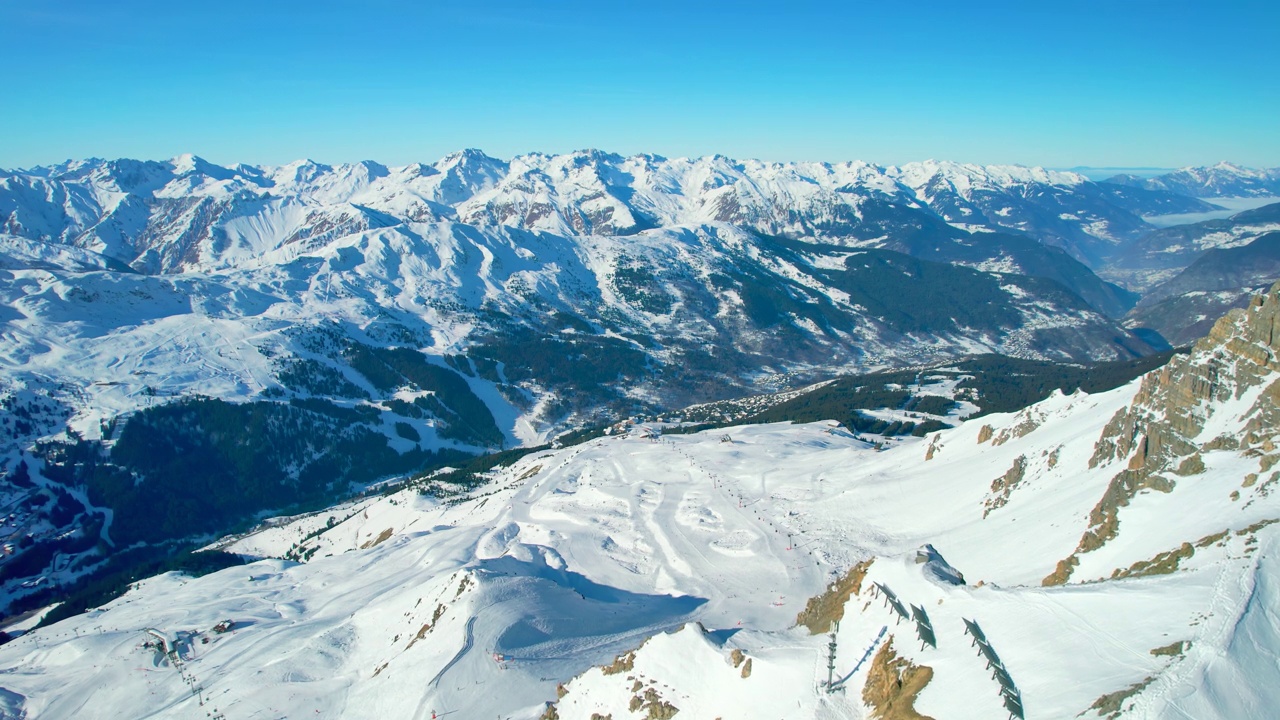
(689, 547)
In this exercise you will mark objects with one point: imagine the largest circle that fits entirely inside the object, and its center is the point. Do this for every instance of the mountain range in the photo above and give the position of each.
(1221, 180)
(188, 214)
(799, 268)
(1091, 555)
(187, 347)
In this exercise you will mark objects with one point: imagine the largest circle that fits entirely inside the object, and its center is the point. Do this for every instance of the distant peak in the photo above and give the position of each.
(370, 168)
(596, 153)
(471, 162)
(468, 154)
(1230, 166)
(187, 163)
(418, 170)
(304, 162)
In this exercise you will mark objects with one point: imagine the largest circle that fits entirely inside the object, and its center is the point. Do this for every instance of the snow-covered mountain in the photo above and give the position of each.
(655, 259)
(187, 345)
(289, 334)
(1222, 180)
(188, 214)
(492, 304)
(475, 260)
(1108, 555)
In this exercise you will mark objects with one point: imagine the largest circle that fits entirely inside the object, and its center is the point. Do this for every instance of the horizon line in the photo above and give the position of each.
(532, 153)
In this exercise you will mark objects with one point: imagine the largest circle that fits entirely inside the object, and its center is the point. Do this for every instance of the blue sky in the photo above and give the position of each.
(1118, 83)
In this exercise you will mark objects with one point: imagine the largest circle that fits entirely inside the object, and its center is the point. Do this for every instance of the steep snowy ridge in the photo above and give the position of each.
(1206, 416)
(644, 575)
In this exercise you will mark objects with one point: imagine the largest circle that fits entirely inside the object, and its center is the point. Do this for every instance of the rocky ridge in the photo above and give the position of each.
(1224, 397)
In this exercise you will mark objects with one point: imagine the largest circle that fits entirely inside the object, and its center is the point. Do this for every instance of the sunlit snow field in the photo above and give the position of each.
(481, 606)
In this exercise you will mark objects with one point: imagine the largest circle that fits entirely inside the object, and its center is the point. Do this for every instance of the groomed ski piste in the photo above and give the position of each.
(640, 574)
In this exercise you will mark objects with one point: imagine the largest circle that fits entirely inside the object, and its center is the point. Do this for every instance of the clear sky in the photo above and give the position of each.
(1057, 83)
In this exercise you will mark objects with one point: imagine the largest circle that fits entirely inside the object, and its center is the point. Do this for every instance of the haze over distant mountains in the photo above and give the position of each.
(1221, 180)
(1102, 173)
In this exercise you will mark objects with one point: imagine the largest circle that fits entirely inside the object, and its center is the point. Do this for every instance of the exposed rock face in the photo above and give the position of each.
(985, 433)
(1223, 396)
(1028, 419)
(1004, 485)
(893, 683)
(824, 609)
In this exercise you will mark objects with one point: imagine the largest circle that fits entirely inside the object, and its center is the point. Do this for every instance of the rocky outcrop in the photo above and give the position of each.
(1025, 422)
(1180, 412)
(827, 608)
(893, 683)
(1004, 485)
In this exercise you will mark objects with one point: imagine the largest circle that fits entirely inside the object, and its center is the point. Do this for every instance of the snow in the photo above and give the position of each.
(688, 547)
(586, 192)
(570, 557)
(965, 177)
(233, 257)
